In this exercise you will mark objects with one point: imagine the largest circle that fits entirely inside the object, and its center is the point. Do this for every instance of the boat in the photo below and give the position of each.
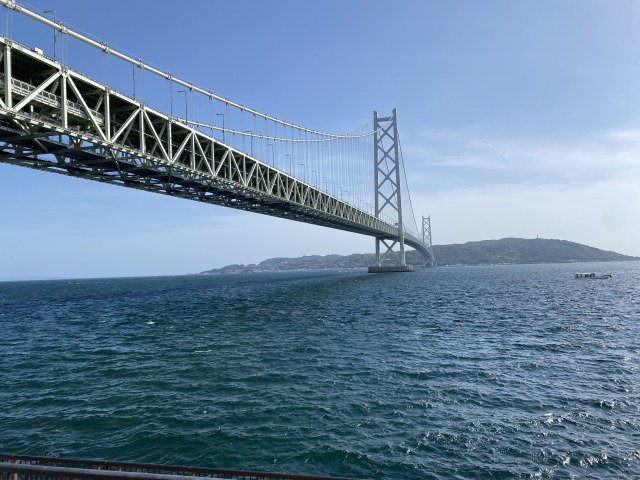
(593, 276)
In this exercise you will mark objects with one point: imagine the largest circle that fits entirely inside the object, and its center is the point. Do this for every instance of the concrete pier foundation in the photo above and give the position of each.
(392, 268)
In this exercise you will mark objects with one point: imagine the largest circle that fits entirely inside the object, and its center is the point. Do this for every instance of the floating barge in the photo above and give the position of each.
(593, 276)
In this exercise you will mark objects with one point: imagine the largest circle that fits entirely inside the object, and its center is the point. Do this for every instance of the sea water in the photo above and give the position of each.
(466, 372)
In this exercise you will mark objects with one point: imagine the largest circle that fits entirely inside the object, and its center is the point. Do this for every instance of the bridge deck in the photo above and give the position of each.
(55, 119)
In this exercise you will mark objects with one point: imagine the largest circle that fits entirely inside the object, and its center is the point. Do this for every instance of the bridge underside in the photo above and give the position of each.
(56, 120)
(39, 150)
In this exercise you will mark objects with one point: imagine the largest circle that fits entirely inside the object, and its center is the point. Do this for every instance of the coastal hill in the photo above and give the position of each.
(485, 252)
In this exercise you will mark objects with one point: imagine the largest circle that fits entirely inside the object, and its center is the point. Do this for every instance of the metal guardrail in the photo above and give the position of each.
(25, 467)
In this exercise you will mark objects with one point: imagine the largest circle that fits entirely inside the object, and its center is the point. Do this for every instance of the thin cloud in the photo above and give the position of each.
(496, 160)
(603, 214)
(585, 190)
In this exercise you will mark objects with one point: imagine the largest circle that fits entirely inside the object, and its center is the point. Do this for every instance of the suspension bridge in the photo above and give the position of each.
(57, 119)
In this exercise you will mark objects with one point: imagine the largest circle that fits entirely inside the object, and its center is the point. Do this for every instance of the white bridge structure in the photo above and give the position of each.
(54, 118)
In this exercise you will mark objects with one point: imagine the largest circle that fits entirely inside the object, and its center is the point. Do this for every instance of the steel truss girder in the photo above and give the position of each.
(60, 121)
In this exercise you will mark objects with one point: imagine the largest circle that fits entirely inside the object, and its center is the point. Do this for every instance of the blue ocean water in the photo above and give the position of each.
(448, 373)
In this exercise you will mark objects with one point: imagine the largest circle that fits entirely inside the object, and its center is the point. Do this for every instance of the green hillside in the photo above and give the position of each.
(485, 252)
(521, 250)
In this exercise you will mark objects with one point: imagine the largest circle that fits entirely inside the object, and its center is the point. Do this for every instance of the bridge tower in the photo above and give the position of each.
(426, 238)
(387, 192)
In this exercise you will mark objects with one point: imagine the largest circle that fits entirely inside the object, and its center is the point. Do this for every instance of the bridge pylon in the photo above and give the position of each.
(426, 239)
(387, 193)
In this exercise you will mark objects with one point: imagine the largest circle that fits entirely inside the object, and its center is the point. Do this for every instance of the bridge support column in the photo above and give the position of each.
(426, 239)
(387, 192)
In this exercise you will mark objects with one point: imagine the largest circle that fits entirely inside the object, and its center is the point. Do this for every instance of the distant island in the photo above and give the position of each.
(485, 252)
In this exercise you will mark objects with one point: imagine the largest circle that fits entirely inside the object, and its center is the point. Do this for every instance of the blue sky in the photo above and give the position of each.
(516, 119)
